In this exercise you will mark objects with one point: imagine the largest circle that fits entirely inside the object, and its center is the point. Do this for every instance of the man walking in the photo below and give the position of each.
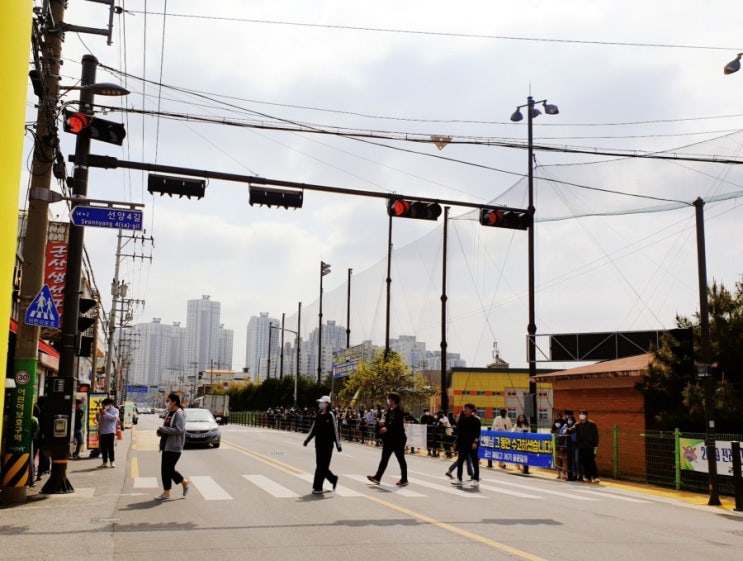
(393, 436)
(502, 423)
(467, 444)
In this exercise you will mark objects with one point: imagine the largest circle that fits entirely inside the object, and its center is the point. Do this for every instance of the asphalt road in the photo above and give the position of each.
(251, 500)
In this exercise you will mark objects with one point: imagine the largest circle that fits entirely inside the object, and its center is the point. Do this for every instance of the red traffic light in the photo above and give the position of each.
(76, 122)
(83, 388)
(505, 218)
(404, 208)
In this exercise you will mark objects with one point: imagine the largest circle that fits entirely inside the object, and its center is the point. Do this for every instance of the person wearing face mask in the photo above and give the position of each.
(392, 432)
(586, 441)
(325, 432)
(502, 423)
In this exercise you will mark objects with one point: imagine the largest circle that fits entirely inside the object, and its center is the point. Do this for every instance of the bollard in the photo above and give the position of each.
(737, 481)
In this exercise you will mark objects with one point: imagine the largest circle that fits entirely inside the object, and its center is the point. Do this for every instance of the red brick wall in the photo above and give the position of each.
(611, 401)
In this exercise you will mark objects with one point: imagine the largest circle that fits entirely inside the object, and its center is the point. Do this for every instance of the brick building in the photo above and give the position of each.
(607, 391)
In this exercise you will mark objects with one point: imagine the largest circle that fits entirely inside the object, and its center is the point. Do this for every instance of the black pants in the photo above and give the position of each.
(588, 463)
(322, 466)
(106, 444)
(463, 454)
(388, 447)
(167, 469)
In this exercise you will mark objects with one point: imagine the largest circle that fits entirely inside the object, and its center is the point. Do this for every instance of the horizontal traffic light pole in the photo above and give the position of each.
(111, 162)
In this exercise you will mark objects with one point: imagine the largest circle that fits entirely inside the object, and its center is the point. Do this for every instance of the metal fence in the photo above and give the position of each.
(650, 457)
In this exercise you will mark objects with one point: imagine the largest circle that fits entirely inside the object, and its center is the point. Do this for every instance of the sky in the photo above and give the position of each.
(615, 239)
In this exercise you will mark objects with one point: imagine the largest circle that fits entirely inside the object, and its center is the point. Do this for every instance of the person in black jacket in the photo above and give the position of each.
(467, 444)
(392, 432)
(325, 432)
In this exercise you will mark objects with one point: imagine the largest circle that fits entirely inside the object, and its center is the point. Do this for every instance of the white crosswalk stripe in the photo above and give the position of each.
(340, 490)
(402, 491)
(271, 487)
(531, 488)
(613, 496)
(450, 489)
(146, 483)
(209, 488)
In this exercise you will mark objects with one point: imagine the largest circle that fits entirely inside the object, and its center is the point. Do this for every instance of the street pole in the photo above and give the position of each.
(115, 288)
(389, 283)
(348, 310)
(281, 354)
(704, 372)
(296, 374)
(268, 361)
(444, 394)
(61, 398)
(21, 399)
(532, 327)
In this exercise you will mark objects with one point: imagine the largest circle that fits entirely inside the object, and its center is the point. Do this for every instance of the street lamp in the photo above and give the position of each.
(532, 112)
(733, 66)
(324, 270)
(296, 369)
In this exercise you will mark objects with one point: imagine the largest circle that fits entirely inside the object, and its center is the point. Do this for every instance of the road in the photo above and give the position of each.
(251, 500)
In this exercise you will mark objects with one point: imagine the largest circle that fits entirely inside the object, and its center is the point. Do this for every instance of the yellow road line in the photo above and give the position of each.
(286, 468)
(459, 531)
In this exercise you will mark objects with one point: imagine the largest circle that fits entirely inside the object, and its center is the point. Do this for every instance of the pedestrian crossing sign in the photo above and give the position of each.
(42, 312)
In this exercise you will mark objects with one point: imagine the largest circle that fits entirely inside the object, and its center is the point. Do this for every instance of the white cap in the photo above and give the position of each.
(324, 399)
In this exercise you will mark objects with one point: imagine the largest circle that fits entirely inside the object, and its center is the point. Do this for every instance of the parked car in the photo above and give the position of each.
(202, 428)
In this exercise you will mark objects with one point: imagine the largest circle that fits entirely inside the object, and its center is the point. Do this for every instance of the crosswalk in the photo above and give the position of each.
(298, 485)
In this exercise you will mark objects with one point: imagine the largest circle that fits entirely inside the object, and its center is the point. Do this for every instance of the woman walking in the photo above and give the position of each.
(325, 432)
(172, 438)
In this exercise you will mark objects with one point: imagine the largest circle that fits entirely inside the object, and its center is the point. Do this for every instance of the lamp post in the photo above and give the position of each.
(296, 369)
(532, 112)
(61, 398)
(703, 369)
(324, 270)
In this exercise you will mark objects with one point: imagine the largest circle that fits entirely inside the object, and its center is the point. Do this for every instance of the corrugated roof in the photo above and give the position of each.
(631, 365)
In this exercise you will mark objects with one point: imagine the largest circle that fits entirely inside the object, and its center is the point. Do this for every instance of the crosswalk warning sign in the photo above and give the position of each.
(42, 312)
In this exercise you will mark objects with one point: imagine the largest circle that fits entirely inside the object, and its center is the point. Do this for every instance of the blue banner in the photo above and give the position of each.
(524, 448)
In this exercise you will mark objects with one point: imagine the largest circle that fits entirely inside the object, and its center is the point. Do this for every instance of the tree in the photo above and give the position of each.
(372, 381)
(674, 396)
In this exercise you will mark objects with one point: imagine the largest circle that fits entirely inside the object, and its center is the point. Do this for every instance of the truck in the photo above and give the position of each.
(219, 405)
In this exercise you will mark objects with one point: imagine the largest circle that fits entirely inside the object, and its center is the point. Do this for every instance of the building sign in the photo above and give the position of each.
(693, 455)
(94, 405)
(347, 360)
(56, 262)
(525, 448)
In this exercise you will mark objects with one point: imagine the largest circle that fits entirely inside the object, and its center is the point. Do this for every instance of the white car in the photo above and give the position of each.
(202, 428)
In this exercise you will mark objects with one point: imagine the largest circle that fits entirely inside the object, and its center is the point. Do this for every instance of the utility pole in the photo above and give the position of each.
(18, 448)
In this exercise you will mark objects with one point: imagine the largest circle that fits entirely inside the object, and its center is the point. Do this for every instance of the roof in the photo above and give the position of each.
(628, 366)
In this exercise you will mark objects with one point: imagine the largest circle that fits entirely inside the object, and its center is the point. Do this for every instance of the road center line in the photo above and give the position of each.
(459, 531)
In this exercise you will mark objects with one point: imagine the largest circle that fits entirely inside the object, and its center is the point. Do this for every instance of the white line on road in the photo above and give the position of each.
(339, 490)
(271, 487)
(208, 488)
(402, 491)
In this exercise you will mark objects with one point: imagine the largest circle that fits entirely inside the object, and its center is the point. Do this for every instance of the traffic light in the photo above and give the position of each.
(404, 208)
(171, 185)
(83, 388)
(98, 129)
(275, 197)
(513, 219)
(85, 342)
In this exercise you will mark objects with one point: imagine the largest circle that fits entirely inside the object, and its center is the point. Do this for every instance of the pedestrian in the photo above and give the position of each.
(108, 417)
(587, 441)
(325, 432)
(392, 433)
(78, 427)
(467, 444)
(172, 439)
(502, 423)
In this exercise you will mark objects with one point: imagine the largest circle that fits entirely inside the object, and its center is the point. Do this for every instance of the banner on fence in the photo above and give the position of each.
(523, 448)
(693, 454)
(416, 435)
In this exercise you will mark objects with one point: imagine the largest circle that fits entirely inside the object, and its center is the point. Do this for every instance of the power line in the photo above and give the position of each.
(439, 33)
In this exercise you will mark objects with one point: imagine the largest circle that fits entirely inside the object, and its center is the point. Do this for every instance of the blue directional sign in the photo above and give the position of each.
(42, 311)
(106, 217)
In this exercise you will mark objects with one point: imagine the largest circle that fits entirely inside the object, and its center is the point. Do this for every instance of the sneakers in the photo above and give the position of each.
(596, 480)
(402, 483)
(373, 479)
(103, 465)
(457, 482)
(112, 464)
(475, 483)
(162, 498)
(317, 491)
(335, 482)
(186, 487)
(448, 474)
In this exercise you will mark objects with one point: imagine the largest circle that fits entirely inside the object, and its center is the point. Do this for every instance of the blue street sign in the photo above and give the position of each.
(42, 311)
(106, 217)
(136, 389)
